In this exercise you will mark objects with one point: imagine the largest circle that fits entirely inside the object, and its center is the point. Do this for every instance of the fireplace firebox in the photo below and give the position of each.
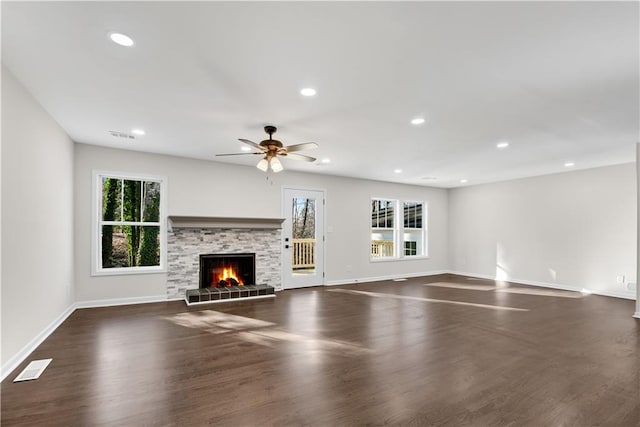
(227, 270)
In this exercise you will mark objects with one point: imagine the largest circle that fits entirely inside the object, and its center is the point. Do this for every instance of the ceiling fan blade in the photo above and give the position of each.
(236, 154)
(300, 157)
(300, 147)
(253, 144)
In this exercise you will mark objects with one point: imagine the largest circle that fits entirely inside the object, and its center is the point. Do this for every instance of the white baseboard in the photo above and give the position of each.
(20, 356)
(124, 301)
(615, 294)
(381, 278)
(636, 314)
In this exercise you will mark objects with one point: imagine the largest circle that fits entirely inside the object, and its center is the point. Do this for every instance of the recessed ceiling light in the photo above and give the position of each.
(417, 121)
(325, 160)
(245, 148)
(569, 164)
(138, 132)
(503, 144)
(464, 181)
(308, 91)
(121, 39)
(397, 171)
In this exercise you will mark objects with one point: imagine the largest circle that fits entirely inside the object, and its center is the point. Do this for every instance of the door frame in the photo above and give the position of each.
(283, 206)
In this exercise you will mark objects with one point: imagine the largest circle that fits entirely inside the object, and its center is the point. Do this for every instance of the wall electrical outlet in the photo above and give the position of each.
(620, 279)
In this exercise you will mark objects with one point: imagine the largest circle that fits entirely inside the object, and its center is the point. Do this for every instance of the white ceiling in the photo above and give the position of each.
(558, 80)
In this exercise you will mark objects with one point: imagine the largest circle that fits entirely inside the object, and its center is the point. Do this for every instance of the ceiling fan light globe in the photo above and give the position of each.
(276, 165)
(263, 165)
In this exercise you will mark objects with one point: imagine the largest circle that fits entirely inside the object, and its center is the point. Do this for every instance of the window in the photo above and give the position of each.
(413, 233)
(382, 228)
(389, 230)
(130, 230)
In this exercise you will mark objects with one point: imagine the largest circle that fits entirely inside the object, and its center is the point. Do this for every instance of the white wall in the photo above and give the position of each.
(637, 313)
(575, 229)
(203, 188)
(37, 219)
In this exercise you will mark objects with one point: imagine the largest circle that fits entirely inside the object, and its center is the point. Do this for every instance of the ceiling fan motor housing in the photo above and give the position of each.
(271, 144)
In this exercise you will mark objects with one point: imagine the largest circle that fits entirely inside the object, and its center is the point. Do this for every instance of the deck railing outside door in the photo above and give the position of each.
(381, 248)
(304, 253)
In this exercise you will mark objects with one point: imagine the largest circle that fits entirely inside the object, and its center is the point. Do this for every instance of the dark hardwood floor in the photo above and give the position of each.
(441, 351)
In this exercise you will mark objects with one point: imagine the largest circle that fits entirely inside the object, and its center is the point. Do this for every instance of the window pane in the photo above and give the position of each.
(407, 213)
(378, 214)
(382, 244)
(303, 227)
(130, 246)
(149, 250)
(131, 200)
(413, 243)
(410, 248)
(412, 215)
(304, 218)
(114, 247)
(151, 199)
(374, 213)
(111, 196)
(388, 214)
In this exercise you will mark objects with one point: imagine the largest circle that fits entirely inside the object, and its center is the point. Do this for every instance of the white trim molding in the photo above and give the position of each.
(97, 222)
(636, 314)
(124, 301)
(21, 355)
(559, 286)
(383, 278)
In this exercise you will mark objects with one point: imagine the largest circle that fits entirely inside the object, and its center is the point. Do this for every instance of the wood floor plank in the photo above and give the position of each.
(386, 354)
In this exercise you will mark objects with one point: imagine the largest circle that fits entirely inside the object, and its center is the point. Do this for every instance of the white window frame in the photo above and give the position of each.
(402, 230)
(399, 230)
(97, 222)
(394, 229)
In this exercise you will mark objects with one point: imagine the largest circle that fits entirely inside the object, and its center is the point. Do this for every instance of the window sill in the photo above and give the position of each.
(128, 271)
(406, 258)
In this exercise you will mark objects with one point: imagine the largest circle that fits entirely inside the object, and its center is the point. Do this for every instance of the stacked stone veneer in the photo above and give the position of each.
(184, 246)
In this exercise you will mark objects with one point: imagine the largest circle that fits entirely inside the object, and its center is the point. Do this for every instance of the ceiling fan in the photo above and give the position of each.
(272, 148)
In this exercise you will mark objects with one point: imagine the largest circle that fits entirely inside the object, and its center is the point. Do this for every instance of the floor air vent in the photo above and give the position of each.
(33, 370)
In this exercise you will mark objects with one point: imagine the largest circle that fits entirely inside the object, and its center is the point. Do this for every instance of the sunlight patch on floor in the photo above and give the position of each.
(461, 286)
(504, 288)
(216, 322)
(440, 301)
(311, 343)
(259, 332)
(542, 292)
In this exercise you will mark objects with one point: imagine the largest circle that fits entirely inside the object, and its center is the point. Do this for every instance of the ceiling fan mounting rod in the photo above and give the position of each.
(270, 129)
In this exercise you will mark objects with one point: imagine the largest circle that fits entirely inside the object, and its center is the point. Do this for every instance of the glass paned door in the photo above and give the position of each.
(303, 238)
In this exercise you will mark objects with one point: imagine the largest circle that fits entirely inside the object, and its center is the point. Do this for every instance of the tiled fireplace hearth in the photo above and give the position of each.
(191, 237)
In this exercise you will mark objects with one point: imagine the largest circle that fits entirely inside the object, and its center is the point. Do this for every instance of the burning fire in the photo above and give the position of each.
(228, 275)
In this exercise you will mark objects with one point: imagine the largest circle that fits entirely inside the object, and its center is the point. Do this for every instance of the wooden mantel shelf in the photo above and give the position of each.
(223, 222)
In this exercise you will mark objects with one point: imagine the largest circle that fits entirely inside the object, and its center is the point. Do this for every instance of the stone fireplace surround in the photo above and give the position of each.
(189, 237)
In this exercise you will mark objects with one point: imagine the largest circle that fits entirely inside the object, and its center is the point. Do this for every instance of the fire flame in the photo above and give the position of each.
(226, 274)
